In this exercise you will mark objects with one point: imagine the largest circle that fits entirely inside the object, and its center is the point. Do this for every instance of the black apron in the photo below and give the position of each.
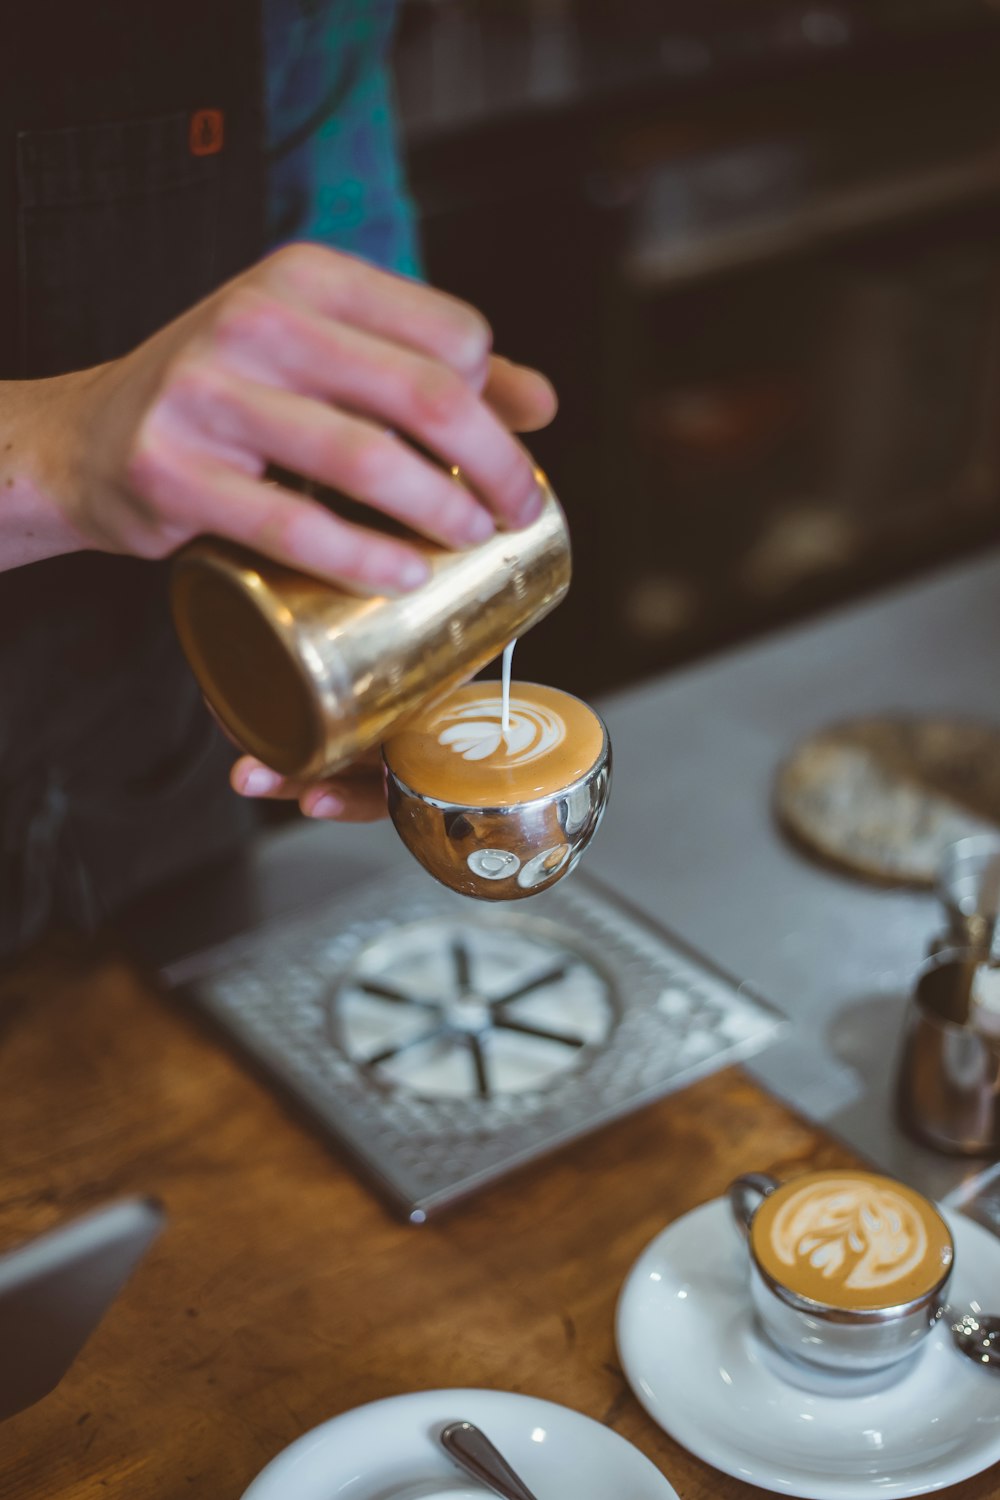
(133, 154)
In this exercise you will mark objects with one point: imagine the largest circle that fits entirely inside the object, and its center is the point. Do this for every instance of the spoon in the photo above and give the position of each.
(978, 1336)
(472, 1451)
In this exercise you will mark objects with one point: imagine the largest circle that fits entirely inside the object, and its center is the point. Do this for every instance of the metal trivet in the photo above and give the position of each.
(445, 1042)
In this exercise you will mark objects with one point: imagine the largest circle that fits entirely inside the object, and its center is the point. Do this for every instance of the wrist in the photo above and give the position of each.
(42, 425)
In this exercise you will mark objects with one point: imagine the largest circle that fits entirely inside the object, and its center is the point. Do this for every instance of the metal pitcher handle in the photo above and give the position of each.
(746, 1194)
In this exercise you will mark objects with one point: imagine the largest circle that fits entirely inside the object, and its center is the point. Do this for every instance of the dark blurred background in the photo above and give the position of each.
(756, 244)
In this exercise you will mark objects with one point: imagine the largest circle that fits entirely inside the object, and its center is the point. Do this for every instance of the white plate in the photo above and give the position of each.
(691, 1353)
(388, 1451)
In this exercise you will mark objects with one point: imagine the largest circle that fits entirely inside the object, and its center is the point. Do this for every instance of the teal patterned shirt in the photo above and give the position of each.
(334, 174)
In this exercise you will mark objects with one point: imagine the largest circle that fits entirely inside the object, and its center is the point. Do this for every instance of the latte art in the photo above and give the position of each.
(851, 1239)
(858, 1236)
(476, 731)
(462, 752)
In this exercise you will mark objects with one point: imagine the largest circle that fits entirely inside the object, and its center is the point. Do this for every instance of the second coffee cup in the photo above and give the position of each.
(848, 1269)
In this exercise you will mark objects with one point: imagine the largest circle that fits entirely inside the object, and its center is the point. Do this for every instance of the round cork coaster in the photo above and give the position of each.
(884, 797)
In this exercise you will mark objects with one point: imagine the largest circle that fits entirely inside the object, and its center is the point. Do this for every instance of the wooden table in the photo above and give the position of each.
(282, 1293)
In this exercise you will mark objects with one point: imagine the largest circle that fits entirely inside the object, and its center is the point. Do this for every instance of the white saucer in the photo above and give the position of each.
(692, 1355)
(388, 1451)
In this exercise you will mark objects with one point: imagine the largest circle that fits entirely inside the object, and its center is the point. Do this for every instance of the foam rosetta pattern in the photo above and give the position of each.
(475, 731)
(853, 1235)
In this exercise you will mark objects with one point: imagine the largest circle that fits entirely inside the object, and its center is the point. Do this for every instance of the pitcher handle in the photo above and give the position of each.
(746, 1194)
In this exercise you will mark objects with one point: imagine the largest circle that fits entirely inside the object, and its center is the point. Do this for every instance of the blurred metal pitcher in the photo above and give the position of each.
(949, 1071)
(968, 887)
(306, 676)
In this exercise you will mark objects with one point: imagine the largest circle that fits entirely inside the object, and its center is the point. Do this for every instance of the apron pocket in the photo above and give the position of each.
(118, 231)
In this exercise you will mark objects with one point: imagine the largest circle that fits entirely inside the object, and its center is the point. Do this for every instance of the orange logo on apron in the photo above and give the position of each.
(206, 132)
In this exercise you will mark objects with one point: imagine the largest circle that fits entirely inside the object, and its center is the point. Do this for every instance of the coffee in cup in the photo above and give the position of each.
(462, 752)
(848, 1268)
(851, 1240)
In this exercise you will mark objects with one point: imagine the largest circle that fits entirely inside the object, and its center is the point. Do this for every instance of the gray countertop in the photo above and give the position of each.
(690, 839)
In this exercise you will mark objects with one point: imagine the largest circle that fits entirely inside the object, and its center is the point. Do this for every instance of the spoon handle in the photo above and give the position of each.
(472, 1451)
(978, 1336)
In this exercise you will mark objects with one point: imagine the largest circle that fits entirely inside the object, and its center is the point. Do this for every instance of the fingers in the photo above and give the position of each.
(204, 494)
(323, 365)
(346, 801)
(354, 455)
(267, 344)
(522, 398)
(395, 308)
(356, 796)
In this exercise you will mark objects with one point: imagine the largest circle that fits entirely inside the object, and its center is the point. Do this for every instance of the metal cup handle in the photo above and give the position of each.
(746, 1194)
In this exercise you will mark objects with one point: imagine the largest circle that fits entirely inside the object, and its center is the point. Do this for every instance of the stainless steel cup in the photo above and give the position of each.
(948, 1080)
(502, 853)
(862, 1342)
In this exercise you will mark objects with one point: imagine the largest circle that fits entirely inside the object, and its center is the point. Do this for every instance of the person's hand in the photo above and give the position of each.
(312, 361)
(321, 364)
(357, 795)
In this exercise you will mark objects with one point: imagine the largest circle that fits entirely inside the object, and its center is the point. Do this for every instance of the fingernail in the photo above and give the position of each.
(479, 527)
(260, 781)
(531, 509)
(327, 806)
(410, 574)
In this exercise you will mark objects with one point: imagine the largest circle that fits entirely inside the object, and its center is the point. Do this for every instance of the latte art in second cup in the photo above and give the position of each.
(851, 1240)
(461, 752)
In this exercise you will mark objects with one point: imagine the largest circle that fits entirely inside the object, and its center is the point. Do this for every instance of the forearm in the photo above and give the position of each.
(39, 469)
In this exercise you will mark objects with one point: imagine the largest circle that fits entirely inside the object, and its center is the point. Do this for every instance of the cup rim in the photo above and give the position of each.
(866, 1316)
(441, 804)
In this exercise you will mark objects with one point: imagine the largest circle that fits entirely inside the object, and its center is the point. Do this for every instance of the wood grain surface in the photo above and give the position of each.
(282, 1292)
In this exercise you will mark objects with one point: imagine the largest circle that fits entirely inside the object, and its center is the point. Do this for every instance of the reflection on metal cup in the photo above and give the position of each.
(948, 1085)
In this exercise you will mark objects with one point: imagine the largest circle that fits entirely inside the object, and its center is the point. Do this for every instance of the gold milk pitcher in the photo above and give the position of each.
(306, 676)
